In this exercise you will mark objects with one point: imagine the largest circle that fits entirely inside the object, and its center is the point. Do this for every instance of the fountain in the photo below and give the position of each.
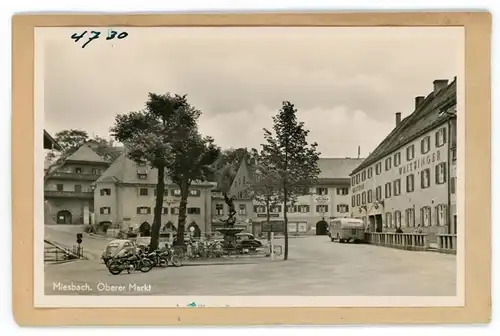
(229, 231)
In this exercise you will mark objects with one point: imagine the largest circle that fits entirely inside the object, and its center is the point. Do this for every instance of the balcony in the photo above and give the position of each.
(74, 176)
(69, 194)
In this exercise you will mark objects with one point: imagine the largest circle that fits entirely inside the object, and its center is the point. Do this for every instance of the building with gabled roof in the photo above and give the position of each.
(49, 142)
(125, 195)
(68, 193)
(409, 180)
(311, 213)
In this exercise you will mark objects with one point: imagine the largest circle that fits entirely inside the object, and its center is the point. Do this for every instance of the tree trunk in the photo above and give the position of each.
(268, 218)
(285, 218)
(182, 212)
(160, 191)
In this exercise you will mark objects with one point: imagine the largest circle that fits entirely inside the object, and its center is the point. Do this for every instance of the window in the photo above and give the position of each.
(353, 200)
(143, 191)
(425, 145)
(425, 178)
(388, 219)
(96, 171)
(105, 210)
(142, 176)
(410, 153)
(441, 137)
(78, 170)
(363, 198)
(193, 211)
(321, 208)
(358, 199)
(388, 189)
(353, 181)
(358, 178)
(425, 216)
(105, 192)
(410, 183)
(194, 192)
(370, 172)
(78, 188)
(276, 208)
(441, 214)
(369, 195)
(175, 211)
(242, 210)
(410, 217)
(378, 168)
(441, 173)
(322, 191)
(378, 193)
(304, 208)
(292, 209)
(141, 163)
(397, 187)
(397, 218)
(363, 175)
(60, 187)
(176, 192)
(397, 159)
(143, 210)
(343, 208)
(388, 163)
(219, 209)
(453, 186)
(259, 209)
(342, 191)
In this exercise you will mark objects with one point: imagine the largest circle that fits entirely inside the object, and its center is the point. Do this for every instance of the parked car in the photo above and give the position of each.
(118, 246)
(247, 241)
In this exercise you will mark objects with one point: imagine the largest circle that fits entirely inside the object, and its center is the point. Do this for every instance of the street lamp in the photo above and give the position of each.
(450, 116)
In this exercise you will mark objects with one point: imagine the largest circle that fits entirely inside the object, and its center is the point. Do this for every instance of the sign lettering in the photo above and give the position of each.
(420, 163)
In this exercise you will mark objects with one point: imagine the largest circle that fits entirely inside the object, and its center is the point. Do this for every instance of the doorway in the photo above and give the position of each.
(194, 229)
(321, 228)
(64, 217)
(378, 223)
(145, 229)
(371, 223)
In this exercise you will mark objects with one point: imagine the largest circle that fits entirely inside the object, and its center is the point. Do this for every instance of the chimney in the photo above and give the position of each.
(439, 84)
(418, 101)
(398, 118)
(359, 151)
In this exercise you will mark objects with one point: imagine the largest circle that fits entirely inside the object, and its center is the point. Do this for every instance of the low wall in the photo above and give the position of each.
(411, 241)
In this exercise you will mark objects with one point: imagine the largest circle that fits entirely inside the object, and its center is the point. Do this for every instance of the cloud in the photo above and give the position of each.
(346, 82)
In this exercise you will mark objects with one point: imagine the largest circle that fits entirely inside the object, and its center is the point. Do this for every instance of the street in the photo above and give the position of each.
(315, 266)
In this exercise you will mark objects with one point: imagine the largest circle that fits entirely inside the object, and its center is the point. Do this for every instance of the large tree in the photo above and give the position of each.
(292, 159)
(165, 135)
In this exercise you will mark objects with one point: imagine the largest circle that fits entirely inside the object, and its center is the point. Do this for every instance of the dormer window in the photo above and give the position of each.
(142, 174)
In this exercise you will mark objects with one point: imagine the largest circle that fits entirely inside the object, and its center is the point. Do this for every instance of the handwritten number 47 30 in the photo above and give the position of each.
(95, 35)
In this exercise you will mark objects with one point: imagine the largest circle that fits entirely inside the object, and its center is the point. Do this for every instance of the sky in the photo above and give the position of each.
(347, 83)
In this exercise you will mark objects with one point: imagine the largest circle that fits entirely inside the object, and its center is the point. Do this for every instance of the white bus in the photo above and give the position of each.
(347, 230)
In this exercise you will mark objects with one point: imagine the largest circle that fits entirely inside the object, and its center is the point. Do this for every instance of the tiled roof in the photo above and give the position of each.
(124, 170)
(337, 167)
(85, 153)
(425, 117)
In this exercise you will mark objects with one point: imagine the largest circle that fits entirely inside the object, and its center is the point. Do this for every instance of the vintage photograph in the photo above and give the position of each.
(238, 166)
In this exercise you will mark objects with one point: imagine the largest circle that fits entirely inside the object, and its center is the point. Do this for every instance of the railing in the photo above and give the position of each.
(70, 194)
(54, 253)
(405, 241)
(74, 176)
(447, 243)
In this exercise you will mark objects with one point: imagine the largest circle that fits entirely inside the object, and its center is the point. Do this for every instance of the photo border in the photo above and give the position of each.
(477, 177)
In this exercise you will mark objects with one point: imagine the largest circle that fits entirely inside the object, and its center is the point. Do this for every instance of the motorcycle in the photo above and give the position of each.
(158, 258)
(129, 262)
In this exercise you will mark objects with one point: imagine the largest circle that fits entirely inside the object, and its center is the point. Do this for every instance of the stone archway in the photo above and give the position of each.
(321, 228)
(196, 229)
(145, 229)
(64, 217)
(169, 227)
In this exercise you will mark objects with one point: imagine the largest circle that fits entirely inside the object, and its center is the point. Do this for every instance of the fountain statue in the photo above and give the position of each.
(229, 231)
